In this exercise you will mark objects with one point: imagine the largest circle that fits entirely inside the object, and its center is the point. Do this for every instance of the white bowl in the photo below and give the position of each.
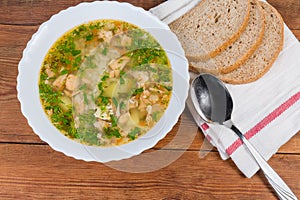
(50, 31)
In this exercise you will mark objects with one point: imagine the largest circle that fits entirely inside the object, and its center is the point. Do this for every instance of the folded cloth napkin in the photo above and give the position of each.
(171, 10)
(267, 111)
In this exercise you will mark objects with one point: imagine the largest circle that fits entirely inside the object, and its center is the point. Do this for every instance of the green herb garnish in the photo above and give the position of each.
(132, 135)
(114, 121)
(111, 132)
(115, 101)
(138, 91)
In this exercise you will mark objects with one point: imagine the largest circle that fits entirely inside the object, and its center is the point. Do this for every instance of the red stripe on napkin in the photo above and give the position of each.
(263, 123)
(204, 126)
(208, 138)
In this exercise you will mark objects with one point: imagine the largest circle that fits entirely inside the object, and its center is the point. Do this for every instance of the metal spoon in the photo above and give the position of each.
(214, 104)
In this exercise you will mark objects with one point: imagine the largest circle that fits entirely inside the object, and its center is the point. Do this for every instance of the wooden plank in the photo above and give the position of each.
(36, 11)
(297, 34)
(37, 172)
(289, 10)
(14, 127)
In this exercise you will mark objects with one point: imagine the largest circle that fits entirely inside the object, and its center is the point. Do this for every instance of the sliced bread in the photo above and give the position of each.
(211, 27)
(265, 55)
(239, 51)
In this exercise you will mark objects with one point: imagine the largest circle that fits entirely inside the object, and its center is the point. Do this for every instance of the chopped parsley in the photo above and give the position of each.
(138, 91)
(132, 135)
(111, 132)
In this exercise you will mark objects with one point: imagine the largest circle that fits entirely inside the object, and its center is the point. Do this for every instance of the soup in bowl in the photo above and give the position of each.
(105, 82)
(102, 81)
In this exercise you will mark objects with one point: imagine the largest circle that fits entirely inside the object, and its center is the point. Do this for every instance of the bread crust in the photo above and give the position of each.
(224, 63)
(246, 56)
(271, 62)
(226, 44)
(178, 24)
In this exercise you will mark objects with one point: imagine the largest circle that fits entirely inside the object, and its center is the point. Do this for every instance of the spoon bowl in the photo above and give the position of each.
(214, 104)
(211, 98)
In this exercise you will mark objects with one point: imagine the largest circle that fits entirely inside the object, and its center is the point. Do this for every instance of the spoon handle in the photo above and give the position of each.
(280, 187)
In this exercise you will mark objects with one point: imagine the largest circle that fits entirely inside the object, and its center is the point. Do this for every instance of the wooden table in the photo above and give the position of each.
(30, 169)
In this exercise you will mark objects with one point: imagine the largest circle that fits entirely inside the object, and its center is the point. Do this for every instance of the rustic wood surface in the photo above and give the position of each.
(30, 169)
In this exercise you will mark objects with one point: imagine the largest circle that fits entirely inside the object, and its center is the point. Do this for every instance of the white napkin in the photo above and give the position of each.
(171, 10)
(267, 111)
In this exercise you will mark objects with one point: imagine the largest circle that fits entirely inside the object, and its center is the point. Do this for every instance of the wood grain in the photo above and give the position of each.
(290, 11)
(41, 173)
(34, 12)
(30, 169)
(296, 33)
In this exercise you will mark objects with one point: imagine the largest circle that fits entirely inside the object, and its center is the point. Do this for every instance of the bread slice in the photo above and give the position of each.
(265, 55)
(239, 51)
(211, 27)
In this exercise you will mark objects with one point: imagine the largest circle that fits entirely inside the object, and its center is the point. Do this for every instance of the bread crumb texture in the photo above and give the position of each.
(211, 26)
(265, 55)
(239, 51)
